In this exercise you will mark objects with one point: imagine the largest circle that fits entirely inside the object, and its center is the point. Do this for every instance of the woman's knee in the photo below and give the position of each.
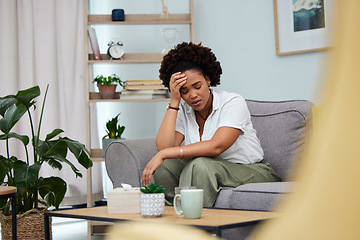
(200, 166)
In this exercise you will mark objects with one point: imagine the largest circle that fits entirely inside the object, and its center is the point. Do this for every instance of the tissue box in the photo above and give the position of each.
(121, 201)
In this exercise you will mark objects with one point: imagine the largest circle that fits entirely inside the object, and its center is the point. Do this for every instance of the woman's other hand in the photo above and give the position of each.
(150, 168)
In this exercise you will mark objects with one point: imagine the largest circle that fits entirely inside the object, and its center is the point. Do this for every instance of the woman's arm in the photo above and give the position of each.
(223, 138)
(167, 136)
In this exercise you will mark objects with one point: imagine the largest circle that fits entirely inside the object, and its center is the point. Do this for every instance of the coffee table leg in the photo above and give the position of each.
(13, 209)
(47, 227)
(218, 232)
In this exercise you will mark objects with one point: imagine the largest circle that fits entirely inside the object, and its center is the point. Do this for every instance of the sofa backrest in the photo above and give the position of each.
(283, 128)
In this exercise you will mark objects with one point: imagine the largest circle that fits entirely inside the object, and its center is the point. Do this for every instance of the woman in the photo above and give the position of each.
(207, 140)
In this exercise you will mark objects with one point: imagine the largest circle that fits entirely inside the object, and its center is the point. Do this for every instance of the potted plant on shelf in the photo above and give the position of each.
(107, 85)
(152, 200)
(32, 188)
(113, 132)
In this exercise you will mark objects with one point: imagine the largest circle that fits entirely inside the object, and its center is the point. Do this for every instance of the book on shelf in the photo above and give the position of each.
(143, 96)
(145, 91)
(94, 43)
(142, 82)
(142, 87)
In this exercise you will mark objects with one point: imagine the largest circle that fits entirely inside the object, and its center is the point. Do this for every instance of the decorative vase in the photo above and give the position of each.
(106, 91)
(170, 36)
(30, 225)
(152, 204)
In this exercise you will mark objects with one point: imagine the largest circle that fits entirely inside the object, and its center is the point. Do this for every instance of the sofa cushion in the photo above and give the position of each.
(223, 198)
(283, 129)
(258, 196)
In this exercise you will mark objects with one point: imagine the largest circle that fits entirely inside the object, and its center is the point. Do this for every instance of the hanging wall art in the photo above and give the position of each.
(303, 25)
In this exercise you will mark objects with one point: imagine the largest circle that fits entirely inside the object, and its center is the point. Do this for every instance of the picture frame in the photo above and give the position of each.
(302, 25)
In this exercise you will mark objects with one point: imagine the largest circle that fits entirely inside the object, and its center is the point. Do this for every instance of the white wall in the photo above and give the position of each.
(241, 34)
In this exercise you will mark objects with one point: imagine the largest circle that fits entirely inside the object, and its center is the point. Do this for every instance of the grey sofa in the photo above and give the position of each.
(283, 128)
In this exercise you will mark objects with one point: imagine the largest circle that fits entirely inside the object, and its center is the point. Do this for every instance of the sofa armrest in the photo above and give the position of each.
(126, 159)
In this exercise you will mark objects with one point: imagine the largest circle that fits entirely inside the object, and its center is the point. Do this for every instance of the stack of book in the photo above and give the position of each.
(144, 89)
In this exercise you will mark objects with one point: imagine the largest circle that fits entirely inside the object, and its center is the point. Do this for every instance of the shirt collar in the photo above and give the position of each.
(216, 100)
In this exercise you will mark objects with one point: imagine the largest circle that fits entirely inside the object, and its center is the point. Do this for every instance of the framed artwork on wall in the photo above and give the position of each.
(302, 25)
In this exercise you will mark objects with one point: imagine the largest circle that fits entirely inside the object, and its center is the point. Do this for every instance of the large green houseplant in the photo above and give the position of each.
(53, 150)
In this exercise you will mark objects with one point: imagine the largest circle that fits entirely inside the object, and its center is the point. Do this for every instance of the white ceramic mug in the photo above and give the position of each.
(191, 201)
(177, 191)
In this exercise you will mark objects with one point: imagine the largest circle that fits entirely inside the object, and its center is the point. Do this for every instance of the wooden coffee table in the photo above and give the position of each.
(212, 220)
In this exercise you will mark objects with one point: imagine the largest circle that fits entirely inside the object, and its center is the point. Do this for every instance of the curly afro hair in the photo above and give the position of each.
(190, 56)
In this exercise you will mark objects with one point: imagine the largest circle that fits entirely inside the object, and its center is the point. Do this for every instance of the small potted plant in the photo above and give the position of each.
(113, 132)
(152, 200)
(107, 85)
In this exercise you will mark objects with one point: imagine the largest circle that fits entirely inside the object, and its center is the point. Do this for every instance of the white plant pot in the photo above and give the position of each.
(152, 204)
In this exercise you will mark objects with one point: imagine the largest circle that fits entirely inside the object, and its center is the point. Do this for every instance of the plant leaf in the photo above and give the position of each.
(26, 97)
(26, 177)
(5, 206)
(80, 152)
(57, 150)
(6, 103)
(152, 188)
(11, 117)
(63, 159)
(53, 163)
(120, 131)
(52, 190)
(53, 134)
(23, 138)
(74, 146)
(84, 160)
(50, 148)
(4, 168)
(23, 97)
(73, 143)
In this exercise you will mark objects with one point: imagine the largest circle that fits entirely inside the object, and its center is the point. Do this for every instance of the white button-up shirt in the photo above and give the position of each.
(229, 110)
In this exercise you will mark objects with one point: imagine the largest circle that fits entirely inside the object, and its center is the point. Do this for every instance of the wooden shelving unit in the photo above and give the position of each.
(132, 58)
(129, 58)
(95, 97)
(96, 155)
(141, 19)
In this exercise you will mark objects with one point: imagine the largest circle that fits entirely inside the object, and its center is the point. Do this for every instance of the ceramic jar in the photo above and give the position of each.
(152, 204)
